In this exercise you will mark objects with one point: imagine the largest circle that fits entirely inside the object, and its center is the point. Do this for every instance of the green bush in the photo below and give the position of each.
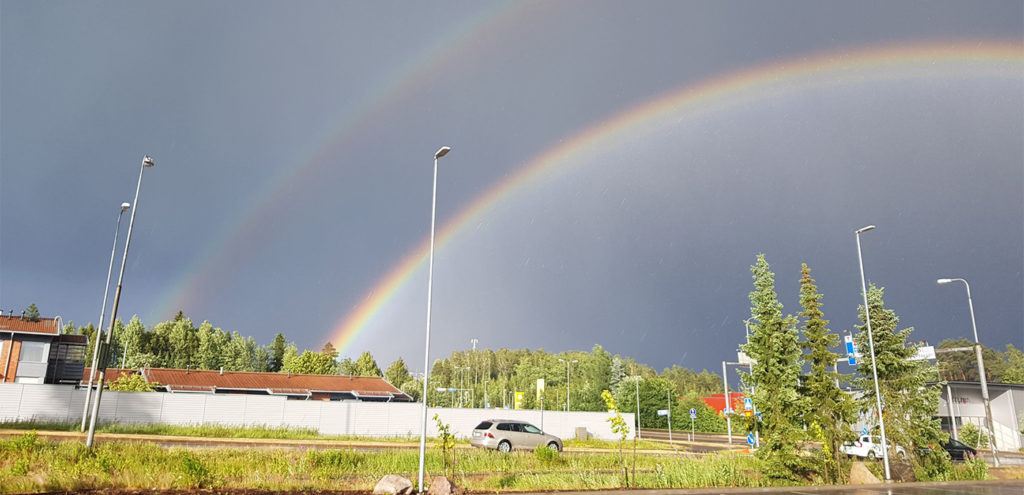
(546, 455)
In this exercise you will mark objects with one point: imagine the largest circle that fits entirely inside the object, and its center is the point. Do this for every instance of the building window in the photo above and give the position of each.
(33, 352)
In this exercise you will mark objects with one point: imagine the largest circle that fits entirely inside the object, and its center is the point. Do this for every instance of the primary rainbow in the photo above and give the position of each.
(992, 58)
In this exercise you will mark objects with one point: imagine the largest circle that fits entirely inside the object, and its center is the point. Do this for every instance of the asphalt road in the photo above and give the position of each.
(948, 488)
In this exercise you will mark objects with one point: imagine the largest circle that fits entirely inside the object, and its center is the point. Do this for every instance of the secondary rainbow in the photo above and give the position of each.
(992, 58)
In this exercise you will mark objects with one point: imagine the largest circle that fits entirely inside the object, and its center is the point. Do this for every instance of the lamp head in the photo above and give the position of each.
(147, 161)
(865, 229)
(943, 281)
(441, 152)
(125, 206)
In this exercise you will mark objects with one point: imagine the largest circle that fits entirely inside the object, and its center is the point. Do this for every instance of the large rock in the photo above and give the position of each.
(860, 475)
(394, 485)
(441, 485)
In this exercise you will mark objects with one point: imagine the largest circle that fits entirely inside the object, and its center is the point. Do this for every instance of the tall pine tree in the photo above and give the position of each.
(774, 377)
(908, 402)
(828, 410)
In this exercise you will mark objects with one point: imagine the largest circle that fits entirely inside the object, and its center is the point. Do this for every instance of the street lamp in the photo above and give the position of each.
(462, 381)
(147, 162)
(567, 363)
(430, 283)
(99, 327)
(981, 365)
(871, 347)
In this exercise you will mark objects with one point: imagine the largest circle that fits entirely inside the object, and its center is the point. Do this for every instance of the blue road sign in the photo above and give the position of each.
(864, 431)
(748, 404)
(750, 438)
(693, 413)
(758, 416)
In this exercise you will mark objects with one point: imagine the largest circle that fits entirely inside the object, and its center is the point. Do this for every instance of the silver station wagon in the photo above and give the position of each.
(508, 434)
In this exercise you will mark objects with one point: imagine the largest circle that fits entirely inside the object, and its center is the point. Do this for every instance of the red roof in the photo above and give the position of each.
(275, 383)
(17, 324)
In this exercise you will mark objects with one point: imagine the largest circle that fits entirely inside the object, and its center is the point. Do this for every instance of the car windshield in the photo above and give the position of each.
(531, 429)
(483, 426)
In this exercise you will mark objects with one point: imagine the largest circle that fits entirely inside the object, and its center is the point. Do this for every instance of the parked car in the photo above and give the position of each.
(508, 434)
(869, 446)
(957, 450)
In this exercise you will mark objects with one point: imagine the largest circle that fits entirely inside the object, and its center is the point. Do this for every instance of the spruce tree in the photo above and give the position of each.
(828, 410)
(32, 313)
(277, 352)
(774, 376)
(908, 402)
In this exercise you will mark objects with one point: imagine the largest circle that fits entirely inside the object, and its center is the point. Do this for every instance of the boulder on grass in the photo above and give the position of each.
(441, 485)
(393, 484)
(860, 475)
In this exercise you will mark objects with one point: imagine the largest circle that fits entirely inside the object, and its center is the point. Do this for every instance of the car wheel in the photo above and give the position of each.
(871, 455)
(554, 446)
(504, 446)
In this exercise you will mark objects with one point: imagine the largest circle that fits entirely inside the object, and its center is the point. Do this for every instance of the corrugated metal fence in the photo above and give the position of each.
(23, 402)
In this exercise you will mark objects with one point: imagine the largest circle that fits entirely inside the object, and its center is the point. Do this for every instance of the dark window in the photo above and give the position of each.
(517, 427)
(483, 426)
(505, 426)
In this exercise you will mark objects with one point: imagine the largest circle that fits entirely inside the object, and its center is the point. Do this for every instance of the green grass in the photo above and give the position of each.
(206, 430)
(31, 464)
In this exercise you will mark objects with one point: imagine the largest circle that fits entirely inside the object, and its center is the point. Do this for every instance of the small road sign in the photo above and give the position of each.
(662, 412)
(863, 431)
(748, 405)
(750, 438)
(693, 413)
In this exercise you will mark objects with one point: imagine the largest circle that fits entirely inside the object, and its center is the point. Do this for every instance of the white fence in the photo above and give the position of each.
(24, 402)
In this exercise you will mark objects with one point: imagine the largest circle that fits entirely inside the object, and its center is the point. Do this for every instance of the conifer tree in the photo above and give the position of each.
(908, 402)
(32, 313)
(774, 376)
(828, 410)
(277, 352)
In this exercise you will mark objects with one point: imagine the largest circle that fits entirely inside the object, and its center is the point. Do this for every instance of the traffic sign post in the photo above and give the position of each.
(693, 416)
(750, 439)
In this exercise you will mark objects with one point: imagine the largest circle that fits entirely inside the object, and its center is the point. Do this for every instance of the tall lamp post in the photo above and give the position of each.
(147, 162)
(430, 284)
(99, 327)
(567, 363)
(981, 366)
(871, 347)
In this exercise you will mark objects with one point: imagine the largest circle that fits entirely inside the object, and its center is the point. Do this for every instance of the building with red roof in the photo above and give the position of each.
(32, 350)
(292, 386)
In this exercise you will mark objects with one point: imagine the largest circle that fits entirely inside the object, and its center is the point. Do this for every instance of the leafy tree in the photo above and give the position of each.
(1014, 365)
(366, 365)
(397, 373)
(963, 365)
(291, 353)
(132, 382)
(691, 383)
(618, 426)
(828, 409)
(595, 373)
(707, 419)
(68, 328)
(135, 335)
(774, 376)
(210, 348)
(32, 313)
(347, 367)
(277, 352)
(312, 363)
(909, 401)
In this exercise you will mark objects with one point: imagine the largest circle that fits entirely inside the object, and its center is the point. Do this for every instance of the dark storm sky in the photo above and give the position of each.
(294, 157)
